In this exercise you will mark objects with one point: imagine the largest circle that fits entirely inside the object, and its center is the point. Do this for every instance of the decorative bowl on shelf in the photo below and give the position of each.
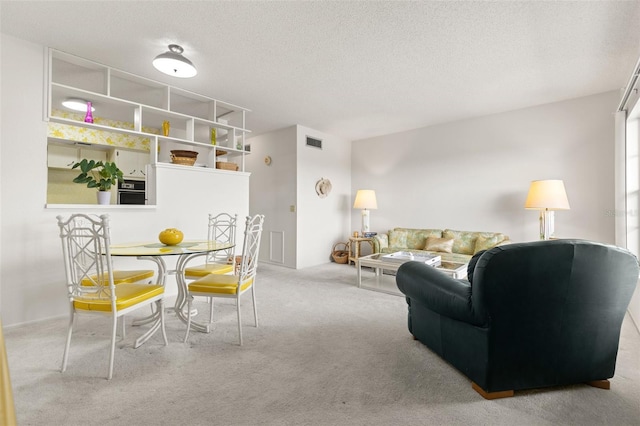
(187, 158)
(171, 236)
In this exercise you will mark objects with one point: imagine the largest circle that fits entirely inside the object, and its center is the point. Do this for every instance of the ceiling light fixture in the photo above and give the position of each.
(76, 104)
(173, 63)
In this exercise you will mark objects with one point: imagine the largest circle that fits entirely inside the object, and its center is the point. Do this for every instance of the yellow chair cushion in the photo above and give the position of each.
(123, 277)
(218, 284)
(204, 270)
(126, 295)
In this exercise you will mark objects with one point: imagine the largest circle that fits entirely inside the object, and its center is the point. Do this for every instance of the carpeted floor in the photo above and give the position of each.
(326, 353)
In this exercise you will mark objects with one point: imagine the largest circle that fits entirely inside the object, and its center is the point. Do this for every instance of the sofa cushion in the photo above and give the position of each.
(464, 241)
(439, 244)
(398, 238)
(411, 238)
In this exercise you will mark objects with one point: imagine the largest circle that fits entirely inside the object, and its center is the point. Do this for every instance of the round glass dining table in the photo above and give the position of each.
(156, 252)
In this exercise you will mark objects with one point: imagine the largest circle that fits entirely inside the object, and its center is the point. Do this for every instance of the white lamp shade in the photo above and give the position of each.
(174, 64)
(547, 195)
(365, 199)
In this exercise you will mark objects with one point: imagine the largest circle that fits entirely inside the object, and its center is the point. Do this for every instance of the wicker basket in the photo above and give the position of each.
(226, 166)
(185, 161)
(339, 254)
(186, 158)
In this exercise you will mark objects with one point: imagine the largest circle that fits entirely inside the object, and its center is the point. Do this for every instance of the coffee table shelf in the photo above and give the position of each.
(379, 281)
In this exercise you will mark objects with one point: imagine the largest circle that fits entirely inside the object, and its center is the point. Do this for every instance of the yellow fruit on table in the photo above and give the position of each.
(171, 236)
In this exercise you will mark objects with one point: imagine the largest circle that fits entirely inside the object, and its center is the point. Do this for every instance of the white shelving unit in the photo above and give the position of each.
(144, 105)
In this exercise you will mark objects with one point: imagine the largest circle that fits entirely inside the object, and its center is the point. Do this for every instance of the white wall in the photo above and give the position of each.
(31, 273)
(307, 235)
(273, 191)
(322, 222)
(475, 174)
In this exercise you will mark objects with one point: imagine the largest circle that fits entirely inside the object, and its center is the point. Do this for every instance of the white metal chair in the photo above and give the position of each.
(90, 279)
(232, 286)
(222, 229)
(120, 276)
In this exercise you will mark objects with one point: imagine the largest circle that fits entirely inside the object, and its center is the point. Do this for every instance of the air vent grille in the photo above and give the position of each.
(316, 143)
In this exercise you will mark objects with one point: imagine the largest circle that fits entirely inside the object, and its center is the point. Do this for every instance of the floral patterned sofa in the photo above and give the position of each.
(453, 246)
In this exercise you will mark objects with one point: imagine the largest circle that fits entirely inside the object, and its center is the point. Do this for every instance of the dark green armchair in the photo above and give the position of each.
(531, 315)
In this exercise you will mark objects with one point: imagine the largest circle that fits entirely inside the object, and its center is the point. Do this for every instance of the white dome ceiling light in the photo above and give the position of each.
(76, 104)
(174, 64)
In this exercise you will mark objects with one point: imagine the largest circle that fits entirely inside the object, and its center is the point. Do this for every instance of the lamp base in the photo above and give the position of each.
(546, 224)
(365, 221)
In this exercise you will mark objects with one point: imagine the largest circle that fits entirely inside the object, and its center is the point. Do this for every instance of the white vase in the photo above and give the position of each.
(104, 197)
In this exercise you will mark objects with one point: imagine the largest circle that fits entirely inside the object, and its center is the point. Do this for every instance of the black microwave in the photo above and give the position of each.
(132, 191)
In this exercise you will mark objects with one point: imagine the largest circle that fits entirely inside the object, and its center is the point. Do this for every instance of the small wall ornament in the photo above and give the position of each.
(323, 187)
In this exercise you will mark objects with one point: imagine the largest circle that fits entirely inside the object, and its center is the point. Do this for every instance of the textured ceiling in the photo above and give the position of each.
(354, 69)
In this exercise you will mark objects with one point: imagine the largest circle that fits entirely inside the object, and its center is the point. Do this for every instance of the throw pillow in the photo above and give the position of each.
(464, 241)
(444, 245)
(485, 242)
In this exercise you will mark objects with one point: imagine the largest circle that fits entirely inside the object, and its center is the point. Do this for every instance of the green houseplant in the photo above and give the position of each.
(100, 175)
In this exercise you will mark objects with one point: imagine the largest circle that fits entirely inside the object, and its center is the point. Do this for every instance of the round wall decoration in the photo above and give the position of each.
(323, 187)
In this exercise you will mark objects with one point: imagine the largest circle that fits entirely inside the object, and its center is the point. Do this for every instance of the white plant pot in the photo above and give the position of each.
(104, 197)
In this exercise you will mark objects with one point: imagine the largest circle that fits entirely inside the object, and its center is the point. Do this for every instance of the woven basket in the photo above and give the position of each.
(226, 166)
(186, 161)
(186, 158)
(339, 254)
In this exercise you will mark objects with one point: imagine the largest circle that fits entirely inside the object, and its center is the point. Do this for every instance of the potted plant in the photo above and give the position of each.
(100, 175)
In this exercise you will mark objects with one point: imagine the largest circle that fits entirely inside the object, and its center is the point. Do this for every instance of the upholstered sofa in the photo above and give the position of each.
(531, 315)
(453, 246)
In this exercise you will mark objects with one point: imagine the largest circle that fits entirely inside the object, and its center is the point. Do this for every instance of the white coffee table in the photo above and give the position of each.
(378, 281)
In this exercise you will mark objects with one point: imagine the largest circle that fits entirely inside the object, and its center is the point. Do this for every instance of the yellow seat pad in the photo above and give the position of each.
(126, 295)
(123, 277)
(218, 284)
(210, 268)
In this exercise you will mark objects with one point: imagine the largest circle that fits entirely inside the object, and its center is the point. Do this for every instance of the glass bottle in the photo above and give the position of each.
(89, 117)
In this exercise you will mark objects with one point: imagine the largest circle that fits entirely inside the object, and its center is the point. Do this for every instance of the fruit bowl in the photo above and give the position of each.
(171, 236)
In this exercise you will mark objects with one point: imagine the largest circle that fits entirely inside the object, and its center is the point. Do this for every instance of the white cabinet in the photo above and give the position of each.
(92, 154)
(61, 156)
(64, 156)
(128, 104)
(132, 163)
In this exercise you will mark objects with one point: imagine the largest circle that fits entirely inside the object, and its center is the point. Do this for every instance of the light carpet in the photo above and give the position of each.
(325, 353)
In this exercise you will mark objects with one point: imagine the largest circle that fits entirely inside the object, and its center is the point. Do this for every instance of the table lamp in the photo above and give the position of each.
(547, 196)
(365, 200)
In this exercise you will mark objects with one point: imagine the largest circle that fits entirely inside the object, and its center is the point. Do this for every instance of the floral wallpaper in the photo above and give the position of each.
(97, 136)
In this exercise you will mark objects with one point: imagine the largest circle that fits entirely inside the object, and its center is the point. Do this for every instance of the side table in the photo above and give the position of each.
(354, 247)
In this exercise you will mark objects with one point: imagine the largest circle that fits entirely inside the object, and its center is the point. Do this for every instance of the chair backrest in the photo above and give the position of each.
(222, 229)
(558, 304)
(250, 247)
(85, 248)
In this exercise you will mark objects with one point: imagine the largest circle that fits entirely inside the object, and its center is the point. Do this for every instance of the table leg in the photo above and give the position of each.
(183, 292)
(158, 316)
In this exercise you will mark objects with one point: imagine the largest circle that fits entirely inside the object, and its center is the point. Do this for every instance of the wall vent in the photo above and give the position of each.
(316, 143)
